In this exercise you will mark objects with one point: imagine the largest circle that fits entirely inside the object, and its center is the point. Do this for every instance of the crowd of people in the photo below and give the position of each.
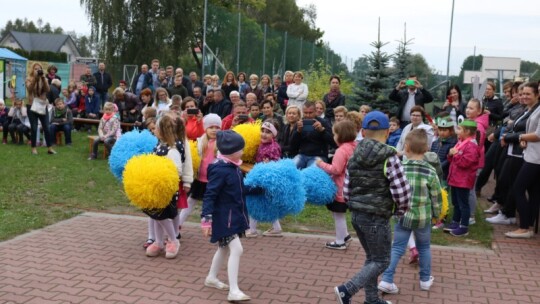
(382, 166)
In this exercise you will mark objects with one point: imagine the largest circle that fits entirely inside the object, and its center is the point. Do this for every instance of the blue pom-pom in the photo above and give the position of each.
(128, 145)
(320, 188)
(283, 195)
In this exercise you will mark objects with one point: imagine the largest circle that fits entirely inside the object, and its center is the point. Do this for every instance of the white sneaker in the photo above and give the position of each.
(472, 221)
(493, 209)
(215, 283)
(494, 218)
(389, 288)
(502, 219)
(427, 284)
(238, 296)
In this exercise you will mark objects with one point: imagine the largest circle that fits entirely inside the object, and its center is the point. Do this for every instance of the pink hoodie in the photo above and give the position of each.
(338, 166)
(482, 123)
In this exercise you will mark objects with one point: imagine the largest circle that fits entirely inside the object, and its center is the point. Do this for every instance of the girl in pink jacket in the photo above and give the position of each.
(475, 111)
(344, 136)
(464, 159)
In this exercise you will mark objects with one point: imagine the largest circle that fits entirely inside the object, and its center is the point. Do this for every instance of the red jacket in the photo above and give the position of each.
(463, 165)
(194, 128)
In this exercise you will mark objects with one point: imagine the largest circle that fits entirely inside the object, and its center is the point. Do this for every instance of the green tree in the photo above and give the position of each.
(530, 69)
(471, 63)
(135, 31)
(23, 25)
(318, 80)
(402, 59)
(376, 84)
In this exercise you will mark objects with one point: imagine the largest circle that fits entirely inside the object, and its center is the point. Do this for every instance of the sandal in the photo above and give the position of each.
(148, 243)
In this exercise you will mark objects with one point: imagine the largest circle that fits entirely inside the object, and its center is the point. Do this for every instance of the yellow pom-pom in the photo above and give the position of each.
(251, 132)
(444, 204)
(150, 181)
(195, 157)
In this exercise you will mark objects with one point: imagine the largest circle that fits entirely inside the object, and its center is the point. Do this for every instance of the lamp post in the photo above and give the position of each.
(449, 48)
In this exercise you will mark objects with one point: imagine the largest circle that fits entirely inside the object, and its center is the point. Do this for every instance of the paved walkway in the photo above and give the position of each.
(98, 258)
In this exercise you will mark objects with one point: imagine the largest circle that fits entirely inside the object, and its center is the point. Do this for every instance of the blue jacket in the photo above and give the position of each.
(393, 138)
(442, 147)
(92, 105)
(225, 200)
(147, 83)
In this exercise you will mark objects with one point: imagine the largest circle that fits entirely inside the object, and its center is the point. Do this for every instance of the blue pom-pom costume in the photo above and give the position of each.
(130, 144)
(319, 186)
(283, 190)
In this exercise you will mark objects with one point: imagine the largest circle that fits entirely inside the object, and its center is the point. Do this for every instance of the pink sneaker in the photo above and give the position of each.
(171, 249)
(153, 250)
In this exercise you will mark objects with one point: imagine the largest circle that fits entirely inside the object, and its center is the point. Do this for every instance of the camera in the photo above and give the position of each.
(40, 72)
(243, 117)
(193, 111)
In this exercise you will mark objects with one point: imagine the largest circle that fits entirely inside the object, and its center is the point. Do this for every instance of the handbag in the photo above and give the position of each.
(39, 106)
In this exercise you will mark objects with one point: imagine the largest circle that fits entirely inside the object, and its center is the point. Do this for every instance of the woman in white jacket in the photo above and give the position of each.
(297, 91)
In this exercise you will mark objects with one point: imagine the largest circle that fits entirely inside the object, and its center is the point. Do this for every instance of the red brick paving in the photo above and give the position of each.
(98, 258)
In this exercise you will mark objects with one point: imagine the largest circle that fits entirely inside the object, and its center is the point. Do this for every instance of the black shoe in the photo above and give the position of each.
(336, 246)
(343, 296)
(379, 301)
(348, 239)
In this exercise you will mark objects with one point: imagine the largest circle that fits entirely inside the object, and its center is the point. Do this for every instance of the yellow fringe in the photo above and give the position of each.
(251, 132)
(150, 181)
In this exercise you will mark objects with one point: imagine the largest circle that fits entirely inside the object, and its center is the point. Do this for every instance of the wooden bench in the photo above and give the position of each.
(126, 126)
(59, 135)
(91, 140)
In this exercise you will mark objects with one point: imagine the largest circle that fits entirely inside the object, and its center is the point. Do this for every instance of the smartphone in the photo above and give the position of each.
(193, 111)
(243, 117)
(308, 125)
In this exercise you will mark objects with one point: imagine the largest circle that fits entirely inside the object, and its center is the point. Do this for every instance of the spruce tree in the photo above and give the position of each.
(374, 88)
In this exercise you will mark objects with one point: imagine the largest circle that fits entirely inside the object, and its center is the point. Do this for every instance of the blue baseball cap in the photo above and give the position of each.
(376, 116)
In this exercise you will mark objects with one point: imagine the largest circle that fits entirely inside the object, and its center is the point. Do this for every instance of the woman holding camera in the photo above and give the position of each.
(193, 118)
(38, 87)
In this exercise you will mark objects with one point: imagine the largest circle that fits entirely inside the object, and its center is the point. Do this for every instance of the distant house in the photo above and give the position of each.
(41, 42)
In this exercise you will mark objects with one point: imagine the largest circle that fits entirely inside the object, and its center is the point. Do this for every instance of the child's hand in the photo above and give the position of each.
(318, 161)
(206, 226)
(452, 151)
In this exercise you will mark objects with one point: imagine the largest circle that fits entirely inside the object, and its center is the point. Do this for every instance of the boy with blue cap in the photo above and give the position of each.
(374, 186)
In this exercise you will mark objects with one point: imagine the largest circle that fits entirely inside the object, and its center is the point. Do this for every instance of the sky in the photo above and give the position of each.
(495, 27)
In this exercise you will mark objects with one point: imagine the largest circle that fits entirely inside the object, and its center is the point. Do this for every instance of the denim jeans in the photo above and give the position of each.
(34, 117)
(108, 142)
(375, 236)
(303, 161)
(460, 200)
(423, 241)
(57, 128)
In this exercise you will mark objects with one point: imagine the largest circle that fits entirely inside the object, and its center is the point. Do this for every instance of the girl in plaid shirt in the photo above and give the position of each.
(425, 203)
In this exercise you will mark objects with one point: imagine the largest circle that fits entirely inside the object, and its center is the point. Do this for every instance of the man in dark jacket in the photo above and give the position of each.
(103, 83)
(178, 88)
(129, 105)
(55, 91)
(194, 82)
(220, 106)
(409, 93)
(142, 81)
(315, 136)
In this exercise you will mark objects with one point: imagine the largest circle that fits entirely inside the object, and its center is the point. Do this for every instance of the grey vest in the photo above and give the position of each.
(369, 189)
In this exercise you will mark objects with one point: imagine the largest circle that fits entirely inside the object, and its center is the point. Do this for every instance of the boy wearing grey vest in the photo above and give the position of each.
(375, 188)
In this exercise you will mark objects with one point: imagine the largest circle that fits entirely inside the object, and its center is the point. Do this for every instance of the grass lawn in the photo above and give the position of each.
(39, 190)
